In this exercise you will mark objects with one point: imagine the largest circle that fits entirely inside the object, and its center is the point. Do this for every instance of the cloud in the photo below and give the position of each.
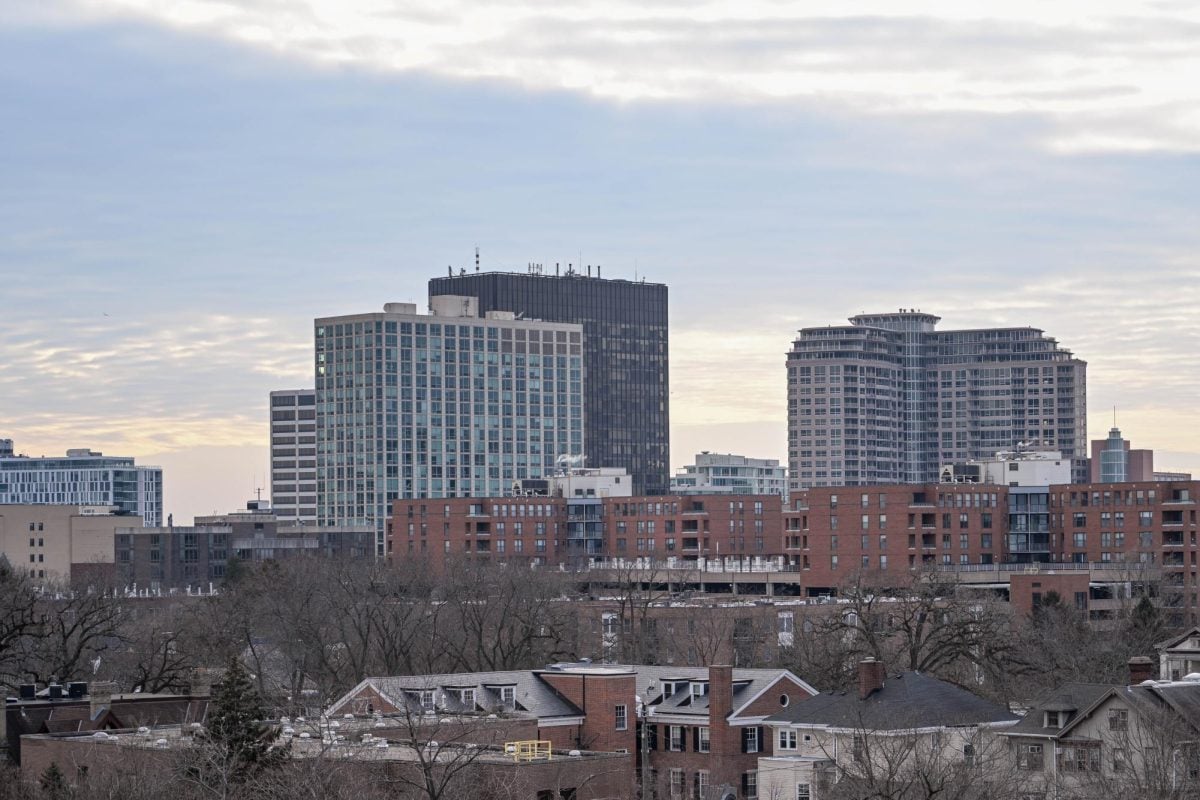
(1120, 77)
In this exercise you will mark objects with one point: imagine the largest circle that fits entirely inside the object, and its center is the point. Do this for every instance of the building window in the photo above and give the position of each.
(803, 791)
(427, 701)
(750, 740)
(675, 738)
(508, 696)
(676, 783)
(787, 739)
(750, 785)
(1118, 719)
(467, 697)
(703, 742)
(622, 717)
(1029, 757)
(702, 785)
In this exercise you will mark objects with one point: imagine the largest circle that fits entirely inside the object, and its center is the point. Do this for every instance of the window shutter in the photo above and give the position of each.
(696, 740)
(745, 743)
(762, 742)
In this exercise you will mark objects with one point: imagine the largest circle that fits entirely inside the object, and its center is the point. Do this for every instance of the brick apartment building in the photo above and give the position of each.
(1117, 533)
(739, 529)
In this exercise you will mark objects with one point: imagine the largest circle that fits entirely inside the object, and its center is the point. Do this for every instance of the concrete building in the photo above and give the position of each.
(726, 473)
(889, 399)
(1024, 467)
(1113, 461)
(625, 357)
(62, 543)
(82, 478)
(578, 482)
(178, 557)
(449, 404)
(294, 455)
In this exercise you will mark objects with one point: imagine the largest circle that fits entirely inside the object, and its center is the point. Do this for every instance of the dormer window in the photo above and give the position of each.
(467, 698)
(668, 688)
(1054, 719)
(428, 699)
(508, 696)
(699, 688)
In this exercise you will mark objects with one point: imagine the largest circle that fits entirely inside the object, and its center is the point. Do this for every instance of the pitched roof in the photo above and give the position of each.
(747, 684)
(532, 694)
(1177, 639)
(1073, 698)
(907, 700)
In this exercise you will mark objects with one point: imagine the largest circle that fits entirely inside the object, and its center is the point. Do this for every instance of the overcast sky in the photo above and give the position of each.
(185, 184)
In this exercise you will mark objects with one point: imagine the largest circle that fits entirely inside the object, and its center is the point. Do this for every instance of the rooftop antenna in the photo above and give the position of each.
(449, 271)
(477, 258)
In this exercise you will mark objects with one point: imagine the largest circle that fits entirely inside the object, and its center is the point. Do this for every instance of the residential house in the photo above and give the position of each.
(1179, 656)
(870, 741)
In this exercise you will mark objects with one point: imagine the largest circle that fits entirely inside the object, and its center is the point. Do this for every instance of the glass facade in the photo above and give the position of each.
(624, 356)
(411, 405)
(85, 480)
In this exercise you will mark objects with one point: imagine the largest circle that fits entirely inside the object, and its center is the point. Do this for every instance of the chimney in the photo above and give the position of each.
(1140, 669)
(100, 697)
(720, 694)
(870, 677)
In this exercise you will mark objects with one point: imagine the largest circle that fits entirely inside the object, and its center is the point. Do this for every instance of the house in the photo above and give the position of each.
(1179, 656)
(893, 727)
(695, 730)
(1116, 740)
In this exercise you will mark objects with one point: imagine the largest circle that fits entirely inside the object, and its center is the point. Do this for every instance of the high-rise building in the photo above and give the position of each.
(888, 398)
(725, 473)
(624, 355)
(294, 456)
(83, 478)
(446, 404)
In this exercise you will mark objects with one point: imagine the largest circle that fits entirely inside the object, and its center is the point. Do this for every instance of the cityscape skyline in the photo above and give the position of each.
(177, 201)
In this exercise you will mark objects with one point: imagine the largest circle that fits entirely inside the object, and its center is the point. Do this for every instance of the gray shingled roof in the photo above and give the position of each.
(533, 695)
(746, 684)
(907, 700)
(1181, 697)
(1073, 697)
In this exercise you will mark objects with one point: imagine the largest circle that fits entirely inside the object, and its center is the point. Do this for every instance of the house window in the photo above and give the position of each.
(787, 739)
(1079, 757)
(1054, 719)
(675, 738)
(508, 696)
(750, 785)
(969, 755)
(676, 783)
(427, 701)
(803, 791)
(622, 717)
(1029, 757)
(750, 740)
(1118, 719)
(702, 740)
(702, 785)
(858, 745)
(467, 696)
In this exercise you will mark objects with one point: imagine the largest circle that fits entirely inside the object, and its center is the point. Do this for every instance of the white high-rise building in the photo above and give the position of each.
(445, 404)
(726, 473)
(82, 478)
(294, 456)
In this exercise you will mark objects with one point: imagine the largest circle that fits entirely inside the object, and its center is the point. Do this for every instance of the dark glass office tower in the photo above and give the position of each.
(626, 394)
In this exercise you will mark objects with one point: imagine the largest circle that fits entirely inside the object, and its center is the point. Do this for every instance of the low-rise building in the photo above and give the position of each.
(1120, 741)
(62, 543)
(896, 728)
(175, 557)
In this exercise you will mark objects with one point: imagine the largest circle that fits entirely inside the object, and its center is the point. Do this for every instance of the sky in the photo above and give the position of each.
(186, 184)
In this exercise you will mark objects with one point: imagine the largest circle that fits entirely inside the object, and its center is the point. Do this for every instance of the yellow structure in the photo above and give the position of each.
(529, 750)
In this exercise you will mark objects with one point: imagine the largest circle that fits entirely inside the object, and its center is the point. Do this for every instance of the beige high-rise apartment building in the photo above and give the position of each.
(294, 456)
(888, 398)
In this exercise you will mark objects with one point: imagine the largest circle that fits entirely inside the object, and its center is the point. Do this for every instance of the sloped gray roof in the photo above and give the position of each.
(907, 700)
(746, 684)
(1181, 697)
(532, 694)
(1074, 697)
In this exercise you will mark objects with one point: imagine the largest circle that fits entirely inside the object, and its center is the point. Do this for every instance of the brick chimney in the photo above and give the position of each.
(724, 741)
(1140, 669)
(870, 677)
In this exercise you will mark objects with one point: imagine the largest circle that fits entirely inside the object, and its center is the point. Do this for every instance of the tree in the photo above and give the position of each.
(235, 744)
(18, 620)
(54, 784)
